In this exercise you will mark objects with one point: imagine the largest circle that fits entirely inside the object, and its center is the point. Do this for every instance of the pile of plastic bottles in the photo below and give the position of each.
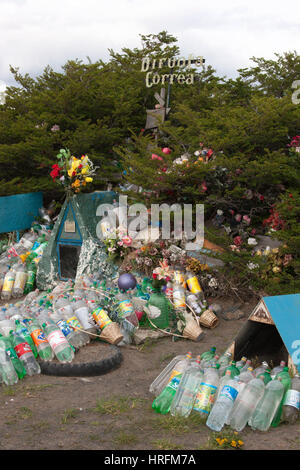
(18, 263)
(226, 392)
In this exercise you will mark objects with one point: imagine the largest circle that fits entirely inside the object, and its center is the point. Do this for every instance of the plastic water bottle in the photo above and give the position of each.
(7, 370)
(22, 330)
(207, 391)
(6, 344)
(58, 342)
(286, 382)
(30, 282)
(277, 369)
(8, 284)
(25, 354)
(208, 354)
(266, 376)
(240, 364)
(185, 396)
(79, 337)
(224, 361)
(194, 285)
(74, 337)
(266, 409)
(163, 402)
(179, 297)
(246, 403)
(233, 369)
(246, 366)
(223, 406)
(20, 280)
(44, 349)
(223, 381)
(261, 369)
(291, 403)
(176, 366)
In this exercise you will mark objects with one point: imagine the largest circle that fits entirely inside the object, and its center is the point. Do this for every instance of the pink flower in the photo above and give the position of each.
(247, 219)
(238, 241)
(156, 157)
(127, 240)
(238, 217)
(166, 150)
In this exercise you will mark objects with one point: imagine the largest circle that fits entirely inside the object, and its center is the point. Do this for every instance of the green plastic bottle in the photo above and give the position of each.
(266, 376)
(286, 381)
(233, 369)
(21, 330)
(30, 283)
(5, 343)
(158, 309)
(209, 354)
(163, 402)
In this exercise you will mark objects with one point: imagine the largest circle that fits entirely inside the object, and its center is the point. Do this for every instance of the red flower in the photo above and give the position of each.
(261, 197)
(55, 172)
(238, 241)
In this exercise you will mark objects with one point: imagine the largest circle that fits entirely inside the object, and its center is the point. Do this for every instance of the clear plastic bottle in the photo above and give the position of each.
(246, 366)
(266, 409)
(261, 369)
(176, 366)
(266, 376)
(25, 354)
(82, 338)
(291, 403)
(277, 369)
(74, 337)
(179, 301)
(223, 405)
(192, 302)
(8, 284)
(223, 381)
(81, 311)
(6, 344)
(44, 349)
(194, 285)
(233, 369)
(207, 391)
(185, 396)
(286, 382)
(246, 403)
(7, 370)
(240, 364)
(224, 362)
(20, 280)
(58, 342)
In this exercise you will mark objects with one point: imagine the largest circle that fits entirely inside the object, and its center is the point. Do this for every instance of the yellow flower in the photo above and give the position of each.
(88, 179)
(84, 170)
(233, 443)
(241, 443)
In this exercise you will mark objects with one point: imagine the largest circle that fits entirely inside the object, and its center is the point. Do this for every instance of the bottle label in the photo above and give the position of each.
(179, 299)
(20, 281)
(30, 279)
(205, 398)
(193, 285)
(23, 348)
(229, 392)
(173, 384)
(8, 284)
(38, 337)
(174, 373)
(64, 327)
(101, 318)
(179, 277)
(74, 323)
(11, 353)
(169, 292)
(292, 398)
(125, 308)
(56, 338)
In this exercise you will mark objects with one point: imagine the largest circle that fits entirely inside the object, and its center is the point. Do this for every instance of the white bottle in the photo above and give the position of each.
(248, 400)
(223, 406)
(20, 280)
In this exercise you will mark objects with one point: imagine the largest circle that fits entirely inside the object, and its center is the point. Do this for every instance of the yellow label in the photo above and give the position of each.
(179, 277)
(174, 373)
(101, 318)
(193, 285)
(8, 284)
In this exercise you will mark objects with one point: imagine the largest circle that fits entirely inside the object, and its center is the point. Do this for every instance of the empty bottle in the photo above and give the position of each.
(277, 369)
(194, 285)
(224, 362)
(291, 404)
(233, 369)
(44, 349)
(192, 302)
(241, 362)
(58, 342)
(31, 275)
(23, 331)
(81, 311)
(208, 354)
(163, 402)
(223, 381)
(207, 391)
(6, 344)
(266, 376)
(286, 382)
(25, 354)
(179, 301)
(223, 405)
(8, 284)
(7, 370)
(20, 281)
(177, 365)
(266, 409)
(261, 369)
(246, 403)
(185, 396)
(246, 365)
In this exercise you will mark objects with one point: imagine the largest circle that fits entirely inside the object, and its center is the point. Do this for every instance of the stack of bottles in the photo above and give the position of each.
(18, 264)
(227, 392)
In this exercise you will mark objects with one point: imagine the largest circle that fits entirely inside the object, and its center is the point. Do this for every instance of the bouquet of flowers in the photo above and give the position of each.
(118, 245)
(71, 172)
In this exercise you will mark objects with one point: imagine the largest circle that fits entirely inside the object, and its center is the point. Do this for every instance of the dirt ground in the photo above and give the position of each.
(113, 411)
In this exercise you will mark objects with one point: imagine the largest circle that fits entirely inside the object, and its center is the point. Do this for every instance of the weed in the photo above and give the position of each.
(166, 444)
(70, 413)
(125, 438)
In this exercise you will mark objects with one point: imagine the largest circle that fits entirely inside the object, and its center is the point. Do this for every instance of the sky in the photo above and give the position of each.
(227, 33)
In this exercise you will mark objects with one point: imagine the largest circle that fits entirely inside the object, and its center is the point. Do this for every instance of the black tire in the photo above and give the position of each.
(85, 369)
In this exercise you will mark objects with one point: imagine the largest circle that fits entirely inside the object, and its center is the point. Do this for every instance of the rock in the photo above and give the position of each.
(233, 315)
(216, 308)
